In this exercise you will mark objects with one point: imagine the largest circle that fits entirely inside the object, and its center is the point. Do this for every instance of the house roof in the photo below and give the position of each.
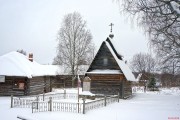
(17, 64)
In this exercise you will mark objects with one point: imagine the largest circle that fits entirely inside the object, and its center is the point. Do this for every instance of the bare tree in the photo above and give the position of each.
(172, 67)
(143, 63)
(75, 45)
(161, 20)
(22, 51)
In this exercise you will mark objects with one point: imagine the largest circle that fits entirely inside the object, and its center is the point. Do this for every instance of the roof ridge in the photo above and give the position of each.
(113, 48)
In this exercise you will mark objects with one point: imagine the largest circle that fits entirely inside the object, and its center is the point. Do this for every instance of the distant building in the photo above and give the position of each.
(109, 73)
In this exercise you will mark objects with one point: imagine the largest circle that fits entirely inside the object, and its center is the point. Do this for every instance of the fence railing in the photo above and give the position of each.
(26, 102)
(56, 106)
(23, 103)
(94, 104)
(101, 102)
(112, 99)
(51, 104)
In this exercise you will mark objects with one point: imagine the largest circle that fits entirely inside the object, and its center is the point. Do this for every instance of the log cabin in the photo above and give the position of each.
(22, 76)
(109, 73)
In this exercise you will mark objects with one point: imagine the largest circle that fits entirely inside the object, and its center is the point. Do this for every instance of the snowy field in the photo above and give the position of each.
(163, 105)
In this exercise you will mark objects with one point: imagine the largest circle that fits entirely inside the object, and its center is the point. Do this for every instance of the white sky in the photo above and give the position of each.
(32, 25)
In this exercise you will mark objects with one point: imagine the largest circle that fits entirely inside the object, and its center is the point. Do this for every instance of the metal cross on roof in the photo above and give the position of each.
(111, 26)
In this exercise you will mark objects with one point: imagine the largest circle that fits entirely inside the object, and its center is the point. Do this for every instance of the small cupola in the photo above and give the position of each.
(111, 35)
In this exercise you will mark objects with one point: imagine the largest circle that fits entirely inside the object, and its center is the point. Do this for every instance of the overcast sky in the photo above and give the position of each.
(32, 25)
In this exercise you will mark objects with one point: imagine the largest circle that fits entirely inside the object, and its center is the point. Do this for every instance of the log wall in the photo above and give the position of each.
(7, 89)
(36, 86)
(110, 85)
(127, 89)
(106, 84)
(61, 81)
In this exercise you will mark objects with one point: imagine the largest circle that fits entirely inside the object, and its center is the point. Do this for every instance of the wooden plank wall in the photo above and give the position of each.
(36, 85)
(62, 81)
(98, 62)
(47, 82)
(6, 88)
(105, 84)
(127, 89)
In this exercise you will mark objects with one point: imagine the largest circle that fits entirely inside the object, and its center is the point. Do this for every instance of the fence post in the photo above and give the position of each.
(64, 94)
(118, 97)
(37, 98)
(43, 96)
(105, 100)
(84, 99)
(11, 101)
(50, 103)
(32, 107)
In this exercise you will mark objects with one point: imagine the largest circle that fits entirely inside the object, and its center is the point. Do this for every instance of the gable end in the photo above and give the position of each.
(104, 60)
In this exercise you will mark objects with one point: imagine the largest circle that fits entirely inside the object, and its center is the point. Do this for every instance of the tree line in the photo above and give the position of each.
(160, 20)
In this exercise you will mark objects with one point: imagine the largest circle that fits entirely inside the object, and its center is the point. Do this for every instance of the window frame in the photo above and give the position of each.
(18, 84)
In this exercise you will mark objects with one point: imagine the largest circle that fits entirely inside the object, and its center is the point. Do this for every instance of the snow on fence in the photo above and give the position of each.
(23, 103)
(100, 103)
(41, 104)
(72, 107)
(94, 104)
(26, 102)
(56, 106)
(112, 99)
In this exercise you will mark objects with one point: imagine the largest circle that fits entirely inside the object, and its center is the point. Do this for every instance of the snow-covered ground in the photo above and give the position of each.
(142, 106)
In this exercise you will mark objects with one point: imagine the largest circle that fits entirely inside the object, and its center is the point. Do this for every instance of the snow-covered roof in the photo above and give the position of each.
(107, 71)
(17, 64)
(124, 67)
(116, 47)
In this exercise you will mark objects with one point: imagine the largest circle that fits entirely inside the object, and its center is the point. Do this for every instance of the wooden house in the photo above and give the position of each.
(109, 73)
(21, 76)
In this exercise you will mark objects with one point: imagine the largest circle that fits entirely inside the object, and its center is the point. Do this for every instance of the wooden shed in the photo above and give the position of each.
(109, 73)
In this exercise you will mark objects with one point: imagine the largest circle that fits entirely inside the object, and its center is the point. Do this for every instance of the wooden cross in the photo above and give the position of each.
(111, 26)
